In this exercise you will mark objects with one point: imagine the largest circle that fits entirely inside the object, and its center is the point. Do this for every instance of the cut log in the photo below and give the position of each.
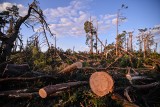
(4, 93)
(15, 69)
(24, 67)
(48, 90)
(23, 95)
(18, 79)
(101, 83)
(71, 67)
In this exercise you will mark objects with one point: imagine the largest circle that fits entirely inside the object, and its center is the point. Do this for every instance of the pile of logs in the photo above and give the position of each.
(101, 82)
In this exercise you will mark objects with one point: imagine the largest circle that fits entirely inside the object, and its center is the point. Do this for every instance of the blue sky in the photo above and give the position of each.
(66, 18)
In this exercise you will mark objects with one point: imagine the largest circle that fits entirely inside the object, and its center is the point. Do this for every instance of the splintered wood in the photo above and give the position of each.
(71, 67)
(101, 83)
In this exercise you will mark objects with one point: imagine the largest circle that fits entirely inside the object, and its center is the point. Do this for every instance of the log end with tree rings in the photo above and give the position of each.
(42, 93)
(101, 83)
(70, 68)
(78, 64)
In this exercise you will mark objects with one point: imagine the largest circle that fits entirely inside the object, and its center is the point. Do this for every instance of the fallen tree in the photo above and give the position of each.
(71, 67)
(48, 90)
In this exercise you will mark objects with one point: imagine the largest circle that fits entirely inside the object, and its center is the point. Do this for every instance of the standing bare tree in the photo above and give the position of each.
(119, 17)
(145, 38)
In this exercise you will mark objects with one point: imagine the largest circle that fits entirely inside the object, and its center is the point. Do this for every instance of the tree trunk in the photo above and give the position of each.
(48, 90)
(71, 67)
(117, 34)
(9, 43)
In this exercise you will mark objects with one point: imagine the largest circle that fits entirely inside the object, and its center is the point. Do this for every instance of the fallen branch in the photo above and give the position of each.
(6, 93)
(23, 95)
(147, 86)
(50, 89)
(114, 61)
(126, 52)
(156, 61)
(126, 93)
(24, 79)
(148, 66)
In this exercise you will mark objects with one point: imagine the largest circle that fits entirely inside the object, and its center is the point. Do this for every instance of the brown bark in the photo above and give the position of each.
(50, 89)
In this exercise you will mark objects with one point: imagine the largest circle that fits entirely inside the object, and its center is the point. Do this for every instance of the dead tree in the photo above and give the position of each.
(10, 37)
(145, 38)
(119, 18)
(130, 41)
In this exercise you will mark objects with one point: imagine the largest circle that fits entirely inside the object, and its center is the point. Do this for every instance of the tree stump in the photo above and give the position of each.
(101, 83)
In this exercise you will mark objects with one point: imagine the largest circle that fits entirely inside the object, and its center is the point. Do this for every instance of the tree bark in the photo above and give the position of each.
(50, 89)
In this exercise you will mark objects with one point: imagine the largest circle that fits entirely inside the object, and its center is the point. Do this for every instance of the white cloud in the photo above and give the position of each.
(109, 16)
(114, 21)
(22, 9)
(69, 20)
(156, 31)
(4, 5)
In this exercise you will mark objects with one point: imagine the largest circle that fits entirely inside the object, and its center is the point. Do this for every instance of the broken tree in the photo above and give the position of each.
(8, 38)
